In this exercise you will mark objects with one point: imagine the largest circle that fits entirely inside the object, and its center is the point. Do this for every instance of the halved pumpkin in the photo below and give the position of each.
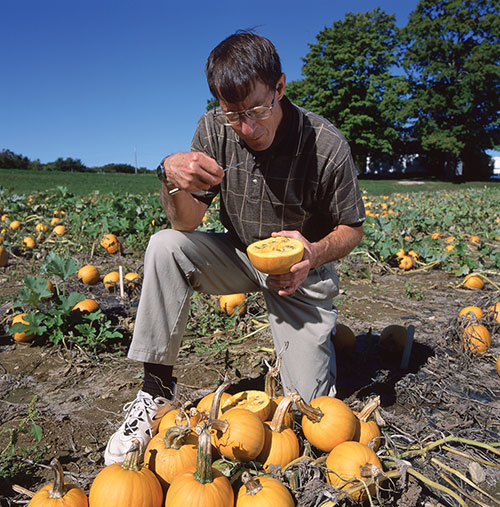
(275, 255)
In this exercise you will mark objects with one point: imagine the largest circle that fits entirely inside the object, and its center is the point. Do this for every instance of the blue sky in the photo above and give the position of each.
(96, 80)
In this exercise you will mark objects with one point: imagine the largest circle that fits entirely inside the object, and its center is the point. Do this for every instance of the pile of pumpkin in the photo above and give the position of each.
(180, 468)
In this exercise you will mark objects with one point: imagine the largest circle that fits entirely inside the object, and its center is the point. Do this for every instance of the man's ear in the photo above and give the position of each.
(280, 87)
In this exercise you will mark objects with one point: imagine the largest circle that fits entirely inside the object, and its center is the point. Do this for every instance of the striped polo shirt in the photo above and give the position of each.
(306, 180)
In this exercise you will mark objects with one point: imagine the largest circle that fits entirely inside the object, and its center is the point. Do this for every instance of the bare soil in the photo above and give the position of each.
(442, 392)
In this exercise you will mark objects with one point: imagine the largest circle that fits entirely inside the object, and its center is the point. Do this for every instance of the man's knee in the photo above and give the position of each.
(167, 240)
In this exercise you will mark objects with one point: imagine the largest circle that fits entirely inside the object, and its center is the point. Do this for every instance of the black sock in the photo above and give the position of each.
(158, 380)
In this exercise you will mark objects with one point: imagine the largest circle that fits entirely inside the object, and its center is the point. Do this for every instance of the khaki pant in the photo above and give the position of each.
(176, 264)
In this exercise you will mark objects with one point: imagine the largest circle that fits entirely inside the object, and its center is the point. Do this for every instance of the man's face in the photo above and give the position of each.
(258, 134)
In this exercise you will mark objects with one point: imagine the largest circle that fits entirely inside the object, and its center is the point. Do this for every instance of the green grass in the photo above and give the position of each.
(81, 184)
(379, 187)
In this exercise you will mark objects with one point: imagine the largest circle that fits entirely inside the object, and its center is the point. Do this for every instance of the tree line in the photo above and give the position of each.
(11, 160)
(431, 88)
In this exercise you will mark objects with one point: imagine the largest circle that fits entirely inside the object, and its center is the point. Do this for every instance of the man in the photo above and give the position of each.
(295, 178)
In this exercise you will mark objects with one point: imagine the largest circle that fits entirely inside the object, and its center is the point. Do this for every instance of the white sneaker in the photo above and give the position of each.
(142, 419)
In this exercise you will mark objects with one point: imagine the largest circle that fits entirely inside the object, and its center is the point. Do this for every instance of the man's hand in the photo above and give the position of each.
(192, 171)
(334, 246)
(291, 281)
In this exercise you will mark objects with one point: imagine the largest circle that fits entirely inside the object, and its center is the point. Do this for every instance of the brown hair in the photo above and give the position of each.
(238, 61)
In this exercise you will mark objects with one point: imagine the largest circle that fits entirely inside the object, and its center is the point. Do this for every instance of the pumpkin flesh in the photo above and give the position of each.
(275, 255)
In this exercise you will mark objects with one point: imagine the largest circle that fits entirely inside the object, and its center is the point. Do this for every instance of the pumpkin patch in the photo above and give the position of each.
(429, 409)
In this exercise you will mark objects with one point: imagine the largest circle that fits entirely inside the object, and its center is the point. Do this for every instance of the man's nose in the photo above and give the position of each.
(248, 125)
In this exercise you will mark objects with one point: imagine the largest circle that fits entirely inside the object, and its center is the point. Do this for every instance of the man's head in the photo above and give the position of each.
(238, 62)
(244, 72)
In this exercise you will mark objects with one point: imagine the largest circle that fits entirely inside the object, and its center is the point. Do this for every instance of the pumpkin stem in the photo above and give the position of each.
(176, 435)
(368, 409)
(369, 470)
(314, 414)
(270, 385)
(270, 378)
(214, 409)
(215, 423)
(57, 489)
(278, 422)
(252, 485)
(131, 461)
(203, 471)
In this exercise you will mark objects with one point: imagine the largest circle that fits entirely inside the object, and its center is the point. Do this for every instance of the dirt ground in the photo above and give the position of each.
(442, 392)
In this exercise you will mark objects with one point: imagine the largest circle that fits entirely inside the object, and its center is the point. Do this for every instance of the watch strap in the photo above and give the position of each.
(160, 171)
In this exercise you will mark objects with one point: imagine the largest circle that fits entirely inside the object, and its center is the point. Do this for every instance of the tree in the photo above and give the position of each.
(348, 80)
(452, 58)
(66, 164)
(10, 160)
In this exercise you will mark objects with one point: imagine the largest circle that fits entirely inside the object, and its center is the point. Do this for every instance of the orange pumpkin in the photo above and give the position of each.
(367, 431)
(131, 279)
(126, 484)
(111, 279)
(498, 365)
(59, 230)
(281, 445)
(344, 338)
(406, 262)
(177, 417)
(472, 313)
(110, 243)
(203, 486)
(205, 404)
(229, 303)
(28, 243)
(41, 227)
(494, 311)
(171, 452)
(474, 282)
(60, 493)
(239, 434)
(326, 421)
(393, 337)
(255, 401)
(275, 255)
(22, 336)
(4, 257)
(476, 339)
(89, 274)
(346, 466)
(263, 491)
(86, 306)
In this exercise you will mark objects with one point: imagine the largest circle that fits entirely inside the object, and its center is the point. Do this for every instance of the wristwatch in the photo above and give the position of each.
(160, 171)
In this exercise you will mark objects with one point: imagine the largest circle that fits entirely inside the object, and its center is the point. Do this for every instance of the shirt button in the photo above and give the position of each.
(254, 180)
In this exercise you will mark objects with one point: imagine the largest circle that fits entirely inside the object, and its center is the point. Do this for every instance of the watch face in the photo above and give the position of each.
(160, 171)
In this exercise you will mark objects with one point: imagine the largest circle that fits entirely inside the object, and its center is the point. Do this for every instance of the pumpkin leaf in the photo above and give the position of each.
(67, 303)
(58, 266)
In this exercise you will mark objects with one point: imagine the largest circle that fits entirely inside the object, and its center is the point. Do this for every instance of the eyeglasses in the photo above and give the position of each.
(254, 113)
